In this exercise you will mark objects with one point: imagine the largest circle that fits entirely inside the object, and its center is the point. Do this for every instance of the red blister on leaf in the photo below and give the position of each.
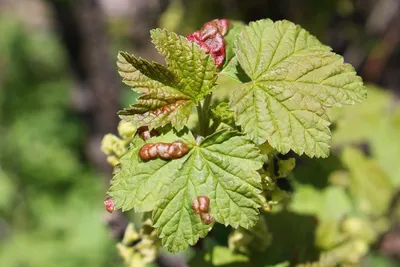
(173, 150)
(201, 206)
(145, 134)
(210, 38)
(206, 218)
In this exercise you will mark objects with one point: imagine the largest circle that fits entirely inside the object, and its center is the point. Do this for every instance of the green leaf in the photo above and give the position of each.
(222, 256)
(234, 30)
(168, 93)
(222, 167)
(234, 71)
(223, 113)
(330, 204)
(231, 66)
(354, 124)
(367, 179)
(329, 234)
(294, 78)
(385, 144)
(379, 112)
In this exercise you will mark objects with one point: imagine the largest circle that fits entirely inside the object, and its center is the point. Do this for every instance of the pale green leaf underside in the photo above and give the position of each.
(168, 93)
(223, 168)
(294, 78)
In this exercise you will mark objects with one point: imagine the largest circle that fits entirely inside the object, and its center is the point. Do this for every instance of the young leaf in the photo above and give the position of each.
(234, 71)
(294, 78)
(235, 29)
(231, 66)
(222, 167)
(223, 113)
(168, 93)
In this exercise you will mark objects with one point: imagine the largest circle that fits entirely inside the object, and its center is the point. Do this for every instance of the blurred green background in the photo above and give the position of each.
(59, 93)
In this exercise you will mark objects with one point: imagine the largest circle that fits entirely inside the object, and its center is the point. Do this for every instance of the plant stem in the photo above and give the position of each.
(207, 102)
(203, 113)
(200, 116)
(214, 126)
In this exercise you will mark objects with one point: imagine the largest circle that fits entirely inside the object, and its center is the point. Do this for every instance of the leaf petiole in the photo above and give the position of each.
(203, 113)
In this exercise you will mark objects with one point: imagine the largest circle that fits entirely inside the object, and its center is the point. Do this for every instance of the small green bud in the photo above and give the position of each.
(126, 129)
(113, 145)
(113, 161)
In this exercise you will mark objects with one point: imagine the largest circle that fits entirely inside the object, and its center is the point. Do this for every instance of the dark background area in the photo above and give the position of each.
(60, 91)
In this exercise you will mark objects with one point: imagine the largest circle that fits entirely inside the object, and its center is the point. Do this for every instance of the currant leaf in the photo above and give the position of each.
(222, 168)
(170, 92)
(223, 113)
(294, 78)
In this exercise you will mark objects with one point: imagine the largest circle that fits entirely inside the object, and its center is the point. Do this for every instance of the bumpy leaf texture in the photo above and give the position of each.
(168, 93)
(211, 39)
(222, 167)
(293, 80)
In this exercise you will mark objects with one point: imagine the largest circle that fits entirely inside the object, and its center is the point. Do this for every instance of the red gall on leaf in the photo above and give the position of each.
(109, 204)
(145, 134)
(173, 150)
(206, 218)
(211, 39)
(201, 204)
